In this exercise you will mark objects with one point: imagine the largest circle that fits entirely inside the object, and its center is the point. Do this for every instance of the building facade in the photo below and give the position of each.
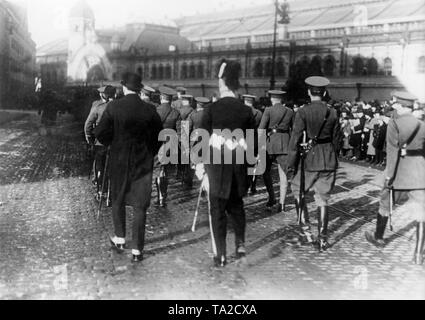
(367, 47)
(17, 56)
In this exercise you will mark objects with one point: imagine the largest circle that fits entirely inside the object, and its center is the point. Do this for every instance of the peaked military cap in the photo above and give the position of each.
(202, 100)
(181, 89)
(317, 82)
(187, 97)
(276, 93)
(148, 90)
(249, 97)
(166, 91)
(405, 98)
(102, 89)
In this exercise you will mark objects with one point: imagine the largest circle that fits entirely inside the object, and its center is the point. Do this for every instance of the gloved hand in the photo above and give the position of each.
(290, 174)
(389, 183)
(200, 171)
(90, 140)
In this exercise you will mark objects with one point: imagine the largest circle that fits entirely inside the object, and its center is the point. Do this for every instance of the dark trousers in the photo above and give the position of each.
(144, 188)
(99, 165)
(234, 207)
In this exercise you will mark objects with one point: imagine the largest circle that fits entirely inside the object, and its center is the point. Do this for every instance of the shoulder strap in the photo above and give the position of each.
(328, 113)
(168, 114)
(415, 132)
(283, 117)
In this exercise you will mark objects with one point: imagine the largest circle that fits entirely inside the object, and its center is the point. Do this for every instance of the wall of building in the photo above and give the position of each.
(17, 60)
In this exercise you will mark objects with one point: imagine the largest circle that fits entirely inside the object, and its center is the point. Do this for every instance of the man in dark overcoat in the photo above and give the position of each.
(131, 128)
(170, 119)
(227, 182)
(277, 120)
(321, 162)
(404, 173)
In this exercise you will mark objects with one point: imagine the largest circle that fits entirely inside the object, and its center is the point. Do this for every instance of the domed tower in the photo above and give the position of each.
(81, 27)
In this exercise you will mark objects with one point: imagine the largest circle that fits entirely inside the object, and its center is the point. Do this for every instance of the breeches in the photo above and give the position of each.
(321, 182)
(412, 201)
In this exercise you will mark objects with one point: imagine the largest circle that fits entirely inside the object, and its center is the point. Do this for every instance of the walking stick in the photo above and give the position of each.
(103, 183)
(391, 208)
(198, 204)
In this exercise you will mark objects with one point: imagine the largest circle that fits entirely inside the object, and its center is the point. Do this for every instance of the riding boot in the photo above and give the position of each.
(270, 190)
(304, 221)
(164, 189)
(323, 222)
(377, 238)
(420, 240)
(254, 186)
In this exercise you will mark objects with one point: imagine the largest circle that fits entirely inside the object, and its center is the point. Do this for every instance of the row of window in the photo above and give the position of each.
(327, 66)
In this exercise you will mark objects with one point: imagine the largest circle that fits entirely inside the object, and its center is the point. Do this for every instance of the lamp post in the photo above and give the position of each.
(283, 12)
(344, 56)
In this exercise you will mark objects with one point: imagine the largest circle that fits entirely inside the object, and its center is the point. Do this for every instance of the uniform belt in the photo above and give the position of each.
(324, 141)
(415, 153)
(273, 131)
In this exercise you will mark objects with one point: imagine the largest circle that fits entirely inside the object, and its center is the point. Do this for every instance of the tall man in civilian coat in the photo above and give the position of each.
(228, 182)
(131, 128)
(277, 120)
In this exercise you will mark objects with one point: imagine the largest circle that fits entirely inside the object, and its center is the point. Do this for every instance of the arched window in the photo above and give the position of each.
(154, 72)
(329, 66)
(167, 71)
(183, 73)
(358, 66)
(161, 72)
(55, 77)
(140, 71)
(388, 66)
(316, 66)
(372, 66)
(258, 68)
(200, 71)
(280, 67)
(192, 71)
(48, 77)
(268, 68)
(421, 64)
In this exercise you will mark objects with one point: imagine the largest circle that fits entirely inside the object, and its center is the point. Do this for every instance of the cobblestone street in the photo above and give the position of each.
(53, 246)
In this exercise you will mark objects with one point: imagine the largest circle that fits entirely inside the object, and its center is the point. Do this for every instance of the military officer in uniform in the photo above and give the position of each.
(227, 182)
(170, 119)
(180, 91)
(404, 173)
(195, 122)
(107, 94)
(249, 100)
(131, 128)
(318, 125)
(147, 93)
(277, 120)
(186, 109)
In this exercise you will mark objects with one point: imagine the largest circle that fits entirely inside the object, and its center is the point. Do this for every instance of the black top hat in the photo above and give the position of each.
(132, 81)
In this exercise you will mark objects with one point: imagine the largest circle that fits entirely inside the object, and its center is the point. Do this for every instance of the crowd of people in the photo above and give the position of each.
(304, 140)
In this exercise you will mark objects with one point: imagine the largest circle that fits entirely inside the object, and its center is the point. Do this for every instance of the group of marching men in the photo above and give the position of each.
(304, 144)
